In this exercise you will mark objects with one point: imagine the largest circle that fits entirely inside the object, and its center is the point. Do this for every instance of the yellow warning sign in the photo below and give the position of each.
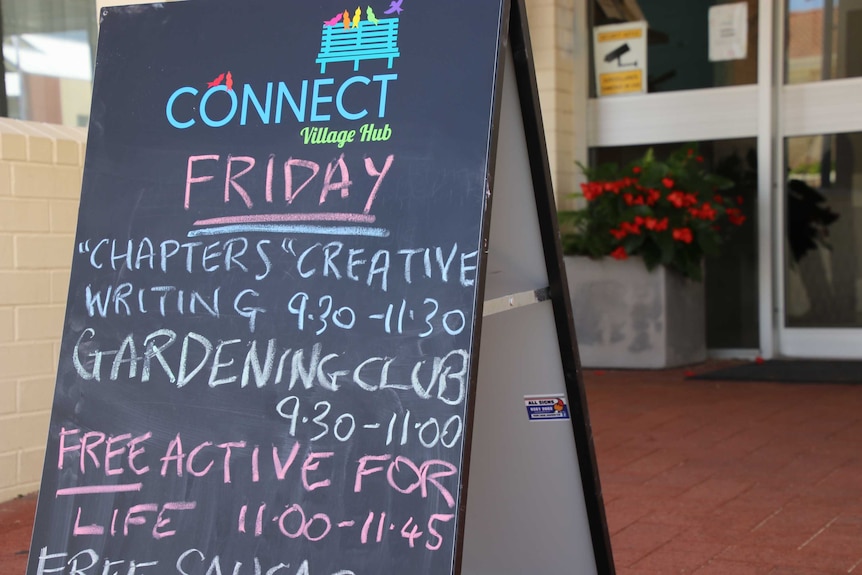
(620, 35)
(620, 52)
(621, 83)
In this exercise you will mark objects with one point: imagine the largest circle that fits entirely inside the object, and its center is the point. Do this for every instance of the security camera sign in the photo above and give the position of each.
(620, 58)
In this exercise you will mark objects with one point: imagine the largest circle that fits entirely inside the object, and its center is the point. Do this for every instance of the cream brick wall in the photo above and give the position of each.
(552, 34)
(40, 182)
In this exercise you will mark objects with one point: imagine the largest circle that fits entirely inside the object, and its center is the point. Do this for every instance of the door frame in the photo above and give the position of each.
(837, 111)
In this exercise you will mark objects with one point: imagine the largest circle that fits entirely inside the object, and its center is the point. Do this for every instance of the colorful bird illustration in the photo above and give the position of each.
(357, 16)
(372, 17)
(217, 81)
(332, 22)
(395, 6)
(346, 16)
(229, 82)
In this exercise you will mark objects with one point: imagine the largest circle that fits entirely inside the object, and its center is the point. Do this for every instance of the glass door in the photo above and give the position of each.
(722, 102)
(820, 157)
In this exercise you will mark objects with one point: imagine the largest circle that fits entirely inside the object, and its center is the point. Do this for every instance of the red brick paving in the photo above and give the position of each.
(728, 478)
(700, 477)
(16, 525)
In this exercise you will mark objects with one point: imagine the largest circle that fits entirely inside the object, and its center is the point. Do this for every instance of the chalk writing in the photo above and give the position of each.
(301, 257)
(193, 359)
(189, 562)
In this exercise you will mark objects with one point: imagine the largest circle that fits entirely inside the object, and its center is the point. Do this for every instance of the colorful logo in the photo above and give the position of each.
(346, 39)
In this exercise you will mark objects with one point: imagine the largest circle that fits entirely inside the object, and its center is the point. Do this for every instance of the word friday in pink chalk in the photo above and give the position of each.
(212, 178)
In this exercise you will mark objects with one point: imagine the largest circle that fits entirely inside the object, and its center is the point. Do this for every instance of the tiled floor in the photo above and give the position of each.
(728, 478)
(710, 478)
(16, 525)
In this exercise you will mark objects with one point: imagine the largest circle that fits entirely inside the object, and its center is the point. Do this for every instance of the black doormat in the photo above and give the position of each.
(789, 371)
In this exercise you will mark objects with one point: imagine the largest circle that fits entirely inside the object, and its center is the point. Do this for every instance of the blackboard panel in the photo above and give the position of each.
(269, 338)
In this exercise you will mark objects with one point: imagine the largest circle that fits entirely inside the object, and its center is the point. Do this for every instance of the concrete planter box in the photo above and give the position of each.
(627, 317)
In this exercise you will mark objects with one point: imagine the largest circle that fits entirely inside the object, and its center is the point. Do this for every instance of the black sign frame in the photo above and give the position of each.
(513, 29)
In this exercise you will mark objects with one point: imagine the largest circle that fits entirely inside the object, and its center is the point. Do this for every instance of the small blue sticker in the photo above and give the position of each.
(543, 407)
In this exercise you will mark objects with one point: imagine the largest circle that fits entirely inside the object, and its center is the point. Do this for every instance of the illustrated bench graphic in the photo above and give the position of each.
(367, 41)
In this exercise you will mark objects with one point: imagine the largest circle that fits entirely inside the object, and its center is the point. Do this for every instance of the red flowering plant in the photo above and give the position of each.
(670, 213)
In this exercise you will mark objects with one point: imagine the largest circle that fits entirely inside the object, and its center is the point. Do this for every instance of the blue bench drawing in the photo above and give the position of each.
(365, 42)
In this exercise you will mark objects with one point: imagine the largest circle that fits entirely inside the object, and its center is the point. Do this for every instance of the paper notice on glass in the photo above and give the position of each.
(728, 32)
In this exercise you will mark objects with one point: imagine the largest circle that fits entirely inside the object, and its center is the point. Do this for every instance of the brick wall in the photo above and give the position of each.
(552, 34)
(40, 183)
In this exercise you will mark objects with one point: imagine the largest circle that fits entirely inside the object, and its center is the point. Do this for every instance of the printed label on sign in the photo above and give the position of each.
(621, 82)
(541, 407)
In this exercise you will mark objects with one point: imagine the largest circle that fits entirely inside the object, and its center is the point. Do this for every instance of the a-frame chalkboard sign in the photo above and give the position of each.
(299, 224)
